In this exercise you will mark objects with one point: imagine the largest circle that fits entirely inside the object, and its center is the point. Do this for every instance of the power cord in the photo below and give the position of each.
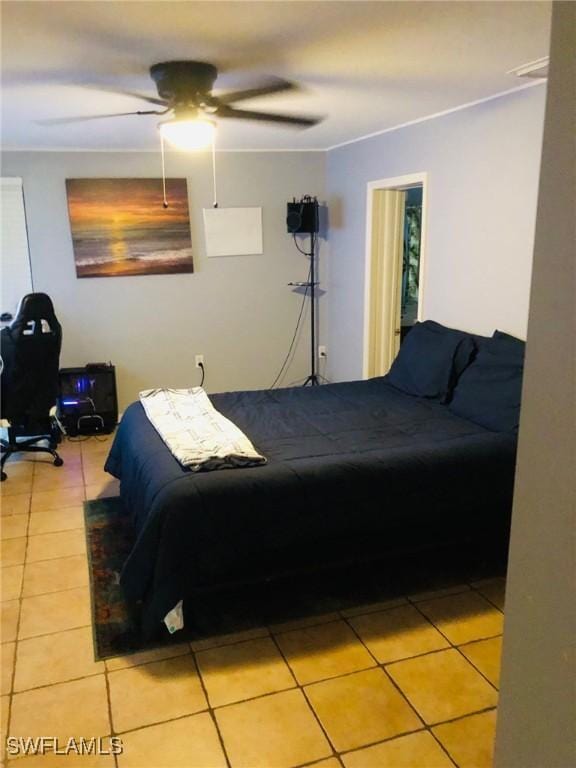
(295, 336)
(306, 253)
(298, 247)
(201, 366)
(84, 438)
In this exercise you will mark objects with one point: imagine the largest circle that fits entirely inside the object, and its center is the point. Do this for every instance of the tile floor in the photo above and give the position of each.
(412, 683)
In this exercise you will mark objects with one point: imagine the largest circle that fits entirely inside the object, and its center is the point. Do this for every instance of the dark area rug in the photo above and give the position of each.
(116, 629)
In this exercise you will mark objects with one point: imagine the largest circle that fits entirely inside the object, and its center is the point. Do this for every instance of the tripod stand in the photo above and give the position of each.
(312, 379)
(303, 218)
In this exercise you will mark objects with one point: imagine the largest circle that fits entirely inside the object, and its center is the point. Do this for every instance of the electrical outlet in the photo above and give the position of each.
(322, 354)
(198, 361)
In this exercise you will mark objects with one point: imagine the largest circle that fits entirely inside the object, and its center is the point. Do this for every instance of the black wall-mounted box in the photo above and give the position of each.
(302, 217)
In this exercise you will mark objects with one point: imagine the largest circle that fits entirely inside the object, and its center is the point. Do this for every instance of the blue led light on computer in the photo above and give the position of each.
(82, 384)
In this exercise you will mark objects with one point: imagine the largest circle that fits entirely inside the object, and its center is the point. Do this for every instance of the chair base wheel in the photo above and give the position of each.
(58, 461)
(3, 477)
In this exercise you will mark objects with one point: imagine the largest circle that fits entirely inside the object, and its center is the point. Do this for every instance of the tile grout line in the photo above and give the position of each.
(144, 663)
(492, 603)
(383, 609)
(223, 645)
(266, 695)
(496, 688)
(442, 747)
(53, 559)
(479, 640)
(17, 637)
(54, 591)
(106, 678)
(427, 727)
(57, 631)
(457, 719)
(430, 727)
(299, 629)
(144, 726)
(318, 761)
(211, 711)
(84, 479)
(454, 720)
(438, 594)
(109, 704)
(58, 682)
(397, 736)
(457, 649)
(402, 694)
(302, 690)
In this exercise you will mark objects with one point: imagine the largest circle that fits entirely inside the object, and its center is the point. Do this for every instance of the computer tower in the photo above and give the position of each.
(87, 402)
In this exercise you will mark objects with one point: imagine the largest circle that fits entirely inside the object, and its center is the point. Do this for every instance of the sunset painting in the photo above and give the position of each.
(120, 227)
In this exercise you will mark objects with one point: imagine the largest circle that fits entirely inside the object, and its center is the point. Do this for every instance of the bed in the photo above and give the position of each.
(354, 470)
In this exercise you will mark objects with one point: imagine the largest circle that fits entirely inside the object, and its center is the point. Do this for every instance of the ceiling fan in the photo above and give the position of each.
(185, 93)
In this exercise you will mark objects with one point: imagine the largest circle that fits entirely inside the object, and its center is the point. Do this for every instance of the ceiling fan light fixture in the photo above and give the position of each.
(188, 134)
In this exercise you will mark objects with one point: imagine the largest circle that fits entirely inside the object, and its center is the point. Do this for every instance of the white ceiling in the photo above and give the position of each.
(365, 66)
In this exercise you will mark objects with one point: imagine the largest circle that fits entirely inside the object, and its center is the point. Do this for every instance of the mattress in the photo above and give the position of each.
(355, 468)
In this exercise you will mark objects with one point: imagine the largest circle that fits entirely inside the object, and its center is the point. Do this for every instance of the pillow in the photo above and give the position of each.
(430, 360)
(512, 340)
(489, 391)
(479, 340)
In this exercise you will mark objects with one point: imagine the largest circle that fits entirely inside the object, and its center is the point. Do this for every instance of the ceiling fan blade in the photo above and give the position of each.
(132, 94)
(279, 86)
(79, 119)
(299, 121)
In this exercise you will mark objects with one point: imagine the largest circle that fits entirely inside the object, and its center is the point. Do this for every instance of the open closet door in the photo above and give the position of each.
(14, 255)
(385, 279)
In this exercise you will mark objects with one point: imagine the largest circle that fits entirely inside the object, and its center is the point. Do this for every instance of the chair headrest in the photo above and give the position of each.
(35, 315)
(35, 306)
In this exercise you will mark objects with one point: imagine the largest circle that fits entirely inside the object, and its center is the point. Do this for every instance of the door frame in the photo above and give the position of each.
(394, 182)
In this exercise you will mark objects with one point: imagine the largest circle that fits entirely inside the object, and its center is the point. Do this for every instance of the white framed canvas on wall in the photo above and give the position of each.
(233, 231)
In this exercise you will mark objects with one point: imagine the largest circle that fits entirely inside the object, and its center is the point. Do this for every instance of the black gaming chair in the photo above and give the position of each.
(30, 348)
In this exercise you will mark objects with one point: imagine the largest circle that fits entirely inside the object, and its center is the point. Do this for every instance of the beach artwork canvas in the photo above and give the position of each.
(120, 227)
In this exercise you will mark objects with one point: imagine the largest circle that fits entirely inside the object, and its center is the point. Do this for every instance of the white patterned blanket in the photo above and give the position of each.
(196, 433)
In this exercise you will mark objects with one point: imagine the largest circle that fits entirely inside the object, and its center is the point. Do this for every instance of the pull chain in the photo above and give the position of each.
(164, 200)
(215, 204)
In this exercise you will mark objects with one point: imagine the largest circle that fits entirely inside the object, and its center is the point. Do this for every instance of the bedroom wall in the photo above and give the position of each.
(483, 166)
(236, 311)
(537, 707)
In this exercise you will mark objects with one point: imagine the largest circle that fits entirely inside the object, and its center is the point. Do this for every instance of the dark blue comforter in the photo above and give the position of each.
(353, 469)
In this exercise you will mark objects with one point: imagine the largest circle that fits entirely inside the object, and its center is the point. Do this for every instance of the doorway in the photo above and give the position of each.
(394, 270)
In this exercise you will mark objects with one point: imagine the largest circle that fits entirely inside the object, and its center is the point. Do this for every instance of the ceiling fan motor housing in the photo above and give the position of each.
(182, 81)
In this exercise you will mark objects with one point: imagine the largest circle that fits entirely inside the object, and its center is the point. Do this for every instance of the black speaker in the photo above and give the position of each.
(302, 217)
(88, 404)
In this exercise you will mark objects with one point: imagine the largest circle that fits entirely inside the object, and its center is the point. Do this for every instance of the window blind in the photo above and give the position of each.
(15, 272)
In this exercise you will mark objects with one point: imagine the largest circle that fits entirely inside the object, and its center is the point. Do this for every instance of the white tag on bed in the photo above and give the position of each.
(174, 619)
